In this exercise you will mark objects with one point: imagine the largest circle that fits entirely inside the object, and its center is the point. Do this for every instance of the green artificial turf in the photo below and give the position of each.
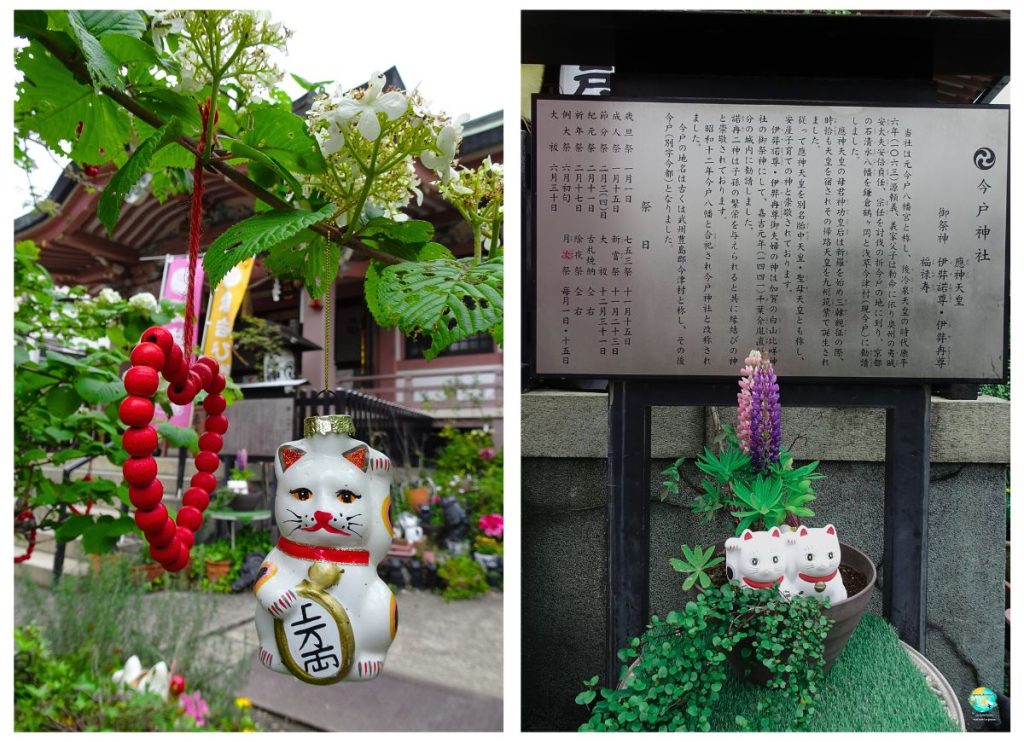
(872, 687)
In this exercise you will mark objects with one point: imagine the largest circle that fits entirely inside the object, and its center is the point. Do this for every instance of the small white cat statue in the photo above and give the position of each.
(813, 569)
(324, 615)
(758, 560)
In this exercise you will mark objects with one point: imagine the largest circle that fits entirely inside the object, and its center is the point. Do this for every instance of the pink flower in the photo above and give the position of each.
(194, 705)
(492, 525)
(487, 453)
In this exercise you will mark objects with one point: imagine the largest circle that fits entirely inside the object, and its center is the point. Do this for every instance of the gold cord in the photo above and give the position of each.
(327, 323)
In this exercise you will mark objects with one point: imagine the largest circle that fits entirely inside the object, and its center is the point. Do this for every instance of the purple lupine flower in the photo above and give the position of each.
(765, 431)
(743, 400)
(241, 459)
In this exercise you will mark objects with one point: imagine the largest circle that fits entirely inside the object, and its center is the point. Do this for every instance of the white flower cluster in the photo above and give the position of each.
(144, 300)
(232, 46)
(109, 296)
(372, 134)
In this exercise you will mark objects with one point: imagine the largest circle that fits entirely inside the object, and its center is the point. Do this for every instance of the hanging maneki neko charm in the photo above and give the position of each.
(324, 615)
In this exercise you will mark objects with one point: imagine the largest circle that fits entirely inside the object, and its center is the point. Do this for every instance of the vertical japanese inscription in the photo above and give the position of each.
(673, 237)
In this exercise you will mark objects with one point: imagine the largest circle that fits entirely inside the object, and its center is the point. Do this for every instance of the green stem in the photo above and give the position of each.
(350, 228)
(477, 244)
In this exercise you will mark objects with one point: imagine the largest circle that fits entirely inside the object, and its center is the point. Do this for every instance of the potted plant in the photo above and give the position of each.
(238, 483)
(264, 342)
(217, 560)
(752, 477)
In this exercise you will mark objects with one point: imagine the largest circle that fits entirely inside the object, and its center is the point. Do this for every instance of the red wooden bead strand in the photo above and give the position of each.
(204, 480)
(140, 442)
(186, 537)
(214, 404)
(140, 472)
(207, 461)
(173, 362)
(196, 497)
(217, 424)
(136, 411)
(151, 520)
(210, 363)
(163, 339)
(148, 497)
(141, 381)
(181, 395)
(178, 564)
(203, 372)
(212, 442)
(216, 385)
(190, 518)
(148, 354)
(164, 536)
(168, 553)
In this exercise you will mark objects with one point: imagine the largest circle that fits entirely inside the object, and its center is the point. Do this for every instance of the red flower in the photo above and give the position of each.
(492, 525)
(487, 453)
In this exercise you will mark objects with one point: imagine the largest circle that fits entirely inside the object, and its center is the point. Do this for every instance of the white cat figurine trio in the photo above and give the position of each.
(324, 615)
(801, 561)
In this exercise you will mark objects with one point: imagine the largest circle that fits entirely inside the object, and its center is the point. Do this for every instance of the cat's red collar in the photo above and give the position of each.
(761, 585)
(813, 578)
(324, 553)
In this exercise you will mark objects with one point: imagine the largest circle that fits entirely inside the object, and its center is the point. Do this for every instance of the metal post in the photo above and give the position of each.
(907, 448)
(629, 493)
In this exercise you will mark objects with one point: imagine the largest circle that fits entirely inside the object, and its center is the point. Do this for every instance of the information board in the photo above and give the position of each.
(672, 237)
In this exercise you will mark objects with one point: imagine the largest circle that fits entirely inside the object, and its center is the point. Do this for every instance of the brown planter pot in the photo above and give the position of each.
(146, 572)
(217, 570)
(846, 615)
(417, 497)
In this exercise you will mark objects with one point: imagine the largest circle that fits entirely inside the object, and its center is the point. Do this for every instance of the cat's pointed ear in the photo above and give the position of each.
(360, 456)
(775, 532)
(830, 529)
(748, 534)
(803, 531)
(288, 455)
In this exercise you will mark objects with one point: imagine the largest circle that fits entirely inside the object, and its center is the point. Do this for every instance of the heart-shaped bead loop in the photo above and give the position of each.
(170, 541)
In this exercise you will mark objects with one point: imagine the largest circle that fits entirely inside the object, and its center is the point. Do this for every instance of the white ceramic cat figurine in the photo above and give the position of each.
(757, 559)
(813, 569)
(324, 615)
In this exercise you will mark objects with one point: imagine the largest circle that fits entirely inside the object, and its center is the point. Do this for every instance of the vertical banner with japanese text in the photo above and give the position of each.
(174, 287)
(220, 319)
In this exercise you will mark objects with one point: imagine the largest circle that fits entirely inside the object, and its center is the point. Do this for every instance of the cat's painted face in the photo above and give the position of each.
(762, 554)
(817, 551)
(331, 497)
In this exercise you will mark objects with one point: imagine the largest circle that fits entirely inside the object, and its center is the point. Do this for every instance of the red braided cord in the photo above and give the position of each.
(27, 515)
(194, 232)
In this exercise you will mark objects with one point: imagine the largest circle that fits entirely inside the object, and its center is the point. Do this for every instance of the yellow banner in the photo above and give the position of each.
(220, 319)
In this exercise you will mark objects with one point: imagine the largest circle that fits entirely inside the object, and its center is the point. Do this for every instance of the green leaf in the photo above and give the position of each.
(179, 437)
(102, 536)
(52, 103)
(411, 232)
(255, 234)
(62, 400)
(321, 266)
(243, 150)
(109, 207)
(371, 281)
(282, 135)
(307, 85)
(72, 528)
(445, 300)
(87, 26)
(586, 697)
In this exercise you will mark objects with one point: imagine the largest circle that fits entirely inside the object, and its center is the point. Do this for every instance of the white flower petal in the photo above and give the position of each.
(433, 161)
(447, 140)
(347, 110)
(369, 126)
(333, 141)
(391, 104)
(376, 85)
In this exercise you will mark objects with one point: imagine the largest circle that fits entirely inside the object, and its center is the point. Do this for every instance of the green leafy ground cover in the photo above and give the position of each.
(872, 687)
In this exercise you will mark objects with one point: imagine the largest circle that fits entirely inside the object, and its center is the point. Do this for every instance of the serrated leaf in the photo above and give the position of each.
(444, 300)
(257, 233)
(102, 22)
(109, 208)
(98, 391)
(179, 437)
(283, 136)
(102, 67)
(52, 103)
(371, 281)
